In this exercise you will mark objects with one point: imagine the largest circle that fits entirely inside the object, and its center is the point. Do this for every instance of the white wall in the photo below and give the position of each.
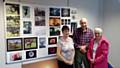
(87, 8)
(111, 27)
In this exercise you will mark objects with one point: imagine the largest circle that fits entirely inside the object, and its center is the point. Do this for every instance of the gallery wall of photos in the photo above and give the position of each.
(32, 31)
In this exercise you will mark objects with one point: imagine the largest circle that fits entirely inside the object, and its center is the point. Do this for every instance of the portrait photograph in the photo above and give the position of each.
(54, 21)
(14, 44)
(12, 9)
(26, 11)
(54, 11)
(39, 16)
(52, 40)
(31, 54)
(27, 27)
(54, 31)
(30, 43)
(52, 50)
(65, 12)
(42, 42)
(13, 26)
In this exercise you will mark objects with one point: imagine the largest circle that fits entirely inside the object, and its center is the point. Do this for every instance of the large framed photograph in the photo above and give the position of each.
(39, 16)
(30, 43)
(52, 40)
(14, 44)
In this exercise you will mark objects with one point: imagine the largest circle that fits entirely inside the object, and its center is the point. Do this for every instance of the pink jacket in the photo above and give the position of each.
(101, 57)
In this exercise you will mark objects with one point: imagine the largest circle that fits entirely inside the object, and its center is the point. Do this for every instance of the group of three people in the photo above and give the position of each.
(85, 47)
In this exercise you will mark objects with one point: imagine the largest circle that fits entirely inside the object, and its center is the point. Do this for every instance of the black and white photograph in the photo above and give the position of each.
(65, 12)
(27, 27)
(31, 54)
(54, 11)
(39, 16)
(26, 11)
(42, 42)
(12, 9)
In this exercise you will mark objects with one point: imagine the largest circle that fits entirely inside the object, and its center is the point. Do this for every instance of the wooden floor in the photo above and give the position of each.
(42, 64)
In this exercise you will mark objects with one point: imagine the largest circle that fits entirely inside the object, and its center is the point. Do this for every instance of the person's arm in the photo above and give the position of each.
(104, 53)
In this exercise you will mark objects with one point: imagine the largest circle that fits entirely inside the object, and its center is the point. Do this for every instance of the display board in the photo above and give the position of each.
(32, 31)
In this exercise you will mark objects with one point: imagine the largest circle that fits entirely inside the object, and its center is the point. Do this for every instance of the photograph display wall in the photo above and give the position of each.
(32, 31)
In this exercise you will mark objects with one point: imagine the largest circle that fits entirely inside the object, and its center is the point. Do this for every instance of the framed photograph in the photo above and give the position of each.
(52, 40)
(52, 50)
(26, 11)
(42, 42)
(17, 56)
(54, 31)
(13, 26)
(30, 43)
(14, 44)
(54, 11)
(31, 54)
(54, 21)
(12, 9)
(65, 12)
(39, 16)
(27, 27)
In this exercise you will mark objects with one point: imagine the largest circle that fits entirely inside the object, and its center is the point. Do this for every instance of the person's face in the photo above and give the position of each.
(97, 35)
(83, 24)
(66, 33)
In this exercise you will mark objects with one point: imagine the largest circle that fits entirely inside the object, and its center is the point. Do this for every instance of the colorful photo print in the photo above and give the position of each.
(26, 11)
(39, 16)
(52, 50)
(31, 54)
(30, 43)
(42, 42)
(65, 12)
(12, 9)
(54, 31)
(13, 26)
(54, 11)
(16, 56)
(27, 27)
(54, 21)
(52, 40)
(73, 26)
(14, 44)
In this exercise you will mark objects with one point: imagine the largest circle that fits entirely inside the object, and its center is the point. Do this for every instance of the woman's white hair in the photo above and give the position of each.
(99, 30)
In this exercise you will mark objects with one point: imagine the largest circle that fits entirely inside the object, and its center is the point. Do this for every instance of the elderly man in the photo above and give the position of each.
(81, 38)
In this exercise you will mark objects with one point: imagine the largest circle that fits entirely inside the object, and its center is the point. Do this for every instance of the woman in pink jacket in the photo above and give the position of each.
(98, 50)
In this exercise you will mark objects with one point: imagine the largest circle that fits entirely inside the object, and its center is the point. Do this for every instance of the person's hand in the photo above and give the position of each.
(92, 61)
(83, 49)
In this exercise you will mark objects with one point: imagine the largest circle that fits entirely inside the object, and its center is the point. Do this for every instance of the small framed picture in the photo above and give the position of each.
(52, 50)
(26, 11)
(14, 44)
(30, 43)
(65, 12)
(52, 40)
(54, 11)
(54, 31)
(31, 54)
(42, 42)
(16, 56)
